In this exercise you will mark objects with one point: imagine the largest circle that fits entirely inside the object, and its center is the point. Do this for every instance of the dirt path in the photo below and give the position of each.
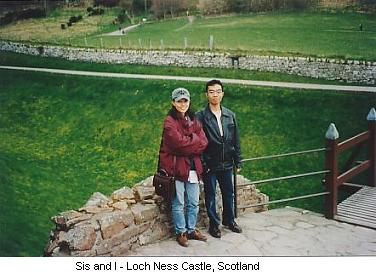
(122, 31)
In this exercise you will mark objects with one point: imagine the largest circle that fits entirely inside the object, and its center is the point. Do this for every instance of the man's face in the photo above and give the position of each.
(214, 94)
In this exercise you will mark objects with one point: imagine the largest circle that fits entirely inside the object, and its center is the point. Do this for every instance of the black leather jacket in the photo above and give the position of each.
(222, 152)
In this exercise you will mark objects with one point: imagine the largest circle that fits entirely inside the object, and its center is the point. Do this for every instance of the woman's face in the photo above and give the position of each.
(181, 106)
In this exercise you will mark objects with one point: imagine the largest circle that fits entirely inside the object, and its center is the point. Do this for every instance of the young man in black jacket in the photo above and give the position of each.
(220, 156)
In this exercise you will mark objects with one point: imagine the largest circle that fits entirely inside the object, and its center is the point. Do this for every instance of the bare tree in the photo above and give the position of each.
(213, 6)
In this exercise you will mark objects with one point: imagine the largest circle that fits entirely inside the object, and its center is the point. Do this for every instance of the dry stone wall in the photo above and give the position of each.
(330, 69)
(129, 218)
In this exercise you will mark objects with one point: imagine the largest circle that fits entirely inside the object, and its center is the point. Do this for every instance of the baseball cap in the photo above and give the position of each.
(180, 93)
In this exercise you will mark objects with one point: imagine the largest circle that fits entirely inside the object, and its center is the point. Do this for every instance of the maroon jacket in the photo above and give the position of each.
(184, 139)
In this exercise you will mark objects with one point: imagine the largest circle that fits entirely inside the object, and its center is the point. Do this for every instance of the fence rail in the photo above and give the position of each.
(304, 152)
(284, 155)
(333, 180)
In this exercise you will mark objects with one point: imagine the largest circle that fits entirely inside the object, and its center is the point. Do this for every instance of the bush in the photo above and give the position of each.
(96, 11)
(89, 9)
(74, 19)
(19, 15)
(62, 26)
(121, 17)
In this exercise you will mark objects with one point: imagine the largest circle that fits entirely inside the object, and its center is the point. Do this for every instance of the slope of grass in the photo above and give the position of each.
(320, 34)
(63, 138)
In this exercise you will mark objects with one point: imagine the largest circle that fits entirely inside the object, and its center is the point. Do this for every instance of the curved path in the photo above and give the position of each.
(345, 88)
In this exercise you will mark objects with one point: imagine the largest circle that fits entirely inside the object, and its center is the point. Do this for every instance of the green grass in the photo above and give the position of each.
(314, 34)
(321, 34)
(63, 138)
(15, 59)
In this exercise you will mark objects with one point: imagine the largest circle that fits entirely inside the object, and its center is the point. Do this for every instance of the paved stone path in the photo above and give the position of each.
(278, 232)
(344, 88)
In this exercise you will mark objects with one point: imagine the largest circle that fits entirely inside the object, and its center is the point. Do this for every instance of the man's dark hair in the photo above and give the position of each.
(212, 82)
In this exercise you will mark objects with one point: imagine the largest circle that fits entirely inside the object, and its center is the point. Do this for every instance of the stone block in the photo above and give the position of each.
(96, 209)
(144, 212)
(97, 199)
(143, 192)
(124, 193)
(81, 237)
(112, 223)
(122, 205)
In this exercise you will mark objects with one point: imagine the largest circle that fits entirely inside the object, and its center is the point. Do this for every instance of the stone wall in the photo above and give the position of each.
(129, 218)
(330, 69)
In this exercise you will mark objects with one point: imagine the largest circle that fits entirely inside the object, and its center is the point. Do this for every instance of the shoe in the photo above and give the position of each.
(182, 239)
(214, 231)
(197, 235)
(235, 227)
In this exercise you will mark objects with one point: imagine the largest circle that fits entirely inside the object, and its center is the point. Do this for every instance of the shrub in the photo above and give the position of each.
(19, 15)
(62, 26)
(96, 11)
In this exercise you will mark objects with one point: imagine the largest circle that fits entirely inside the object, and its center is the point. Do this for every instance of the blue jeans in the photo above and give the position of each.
(227, 190)
(189, 192)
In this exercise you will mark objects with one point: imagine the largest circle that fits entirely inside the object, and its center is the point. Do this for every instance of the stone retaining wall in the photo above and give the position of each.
(129, 218)
(331, 69)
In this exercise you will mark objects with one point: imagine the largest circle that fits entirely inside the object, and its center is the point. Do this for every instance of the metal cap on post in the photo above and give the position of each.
(332, 133)
(371, 118)
(331, 155)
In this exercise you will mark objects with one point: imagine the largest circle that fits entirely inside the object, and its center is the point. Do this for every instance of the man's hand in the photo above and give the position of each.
(238, 170)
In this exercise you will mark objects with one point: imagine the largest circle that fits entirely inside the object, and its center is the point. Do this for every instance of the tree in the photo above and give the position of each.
(213, 6)
(172, 7)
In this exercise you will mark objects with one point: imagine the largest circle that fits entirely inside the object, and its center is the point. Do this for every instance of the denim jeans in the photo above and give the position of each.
(227, 190)
(189, 192)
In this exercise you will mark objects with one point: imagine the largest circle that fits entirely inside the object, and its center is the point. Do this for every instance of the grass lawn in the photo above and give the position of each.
(301, 33)
(49, 29)
(63, 138)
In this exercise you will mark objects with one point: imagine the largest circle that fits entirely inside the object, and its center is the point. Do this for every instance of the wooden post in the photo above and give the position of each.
(120, 42)
(235, 194)
(331, 156)
(185, 43)
(162, 44)
(371, 118)
(101, 43)
(140, 43)
(211, 42)
(85, 42)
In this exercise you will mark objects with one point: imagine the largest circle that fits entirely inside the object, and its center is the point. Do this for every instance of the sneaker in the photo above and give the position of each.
(182, 239)
(214, 231)
(197, 235)
(235, 227)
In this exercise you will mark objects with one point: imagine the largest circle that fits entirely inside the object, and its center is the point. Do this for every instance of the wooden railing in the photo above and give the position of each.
(333, 179)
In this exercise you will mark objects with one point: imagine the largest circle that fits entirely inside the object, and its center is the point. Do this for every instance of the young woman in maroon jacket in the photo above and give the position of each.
(183, 142)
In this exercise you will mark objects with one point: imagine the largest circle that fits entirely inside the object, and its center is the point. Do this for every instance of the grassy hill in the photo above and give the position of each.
(63, 138)
(321, 34)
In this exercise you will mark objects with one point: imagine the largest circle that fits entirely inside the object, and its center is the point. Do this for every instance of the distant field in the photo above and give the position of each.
(313, 34)
(49, 29)
(63, 138)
